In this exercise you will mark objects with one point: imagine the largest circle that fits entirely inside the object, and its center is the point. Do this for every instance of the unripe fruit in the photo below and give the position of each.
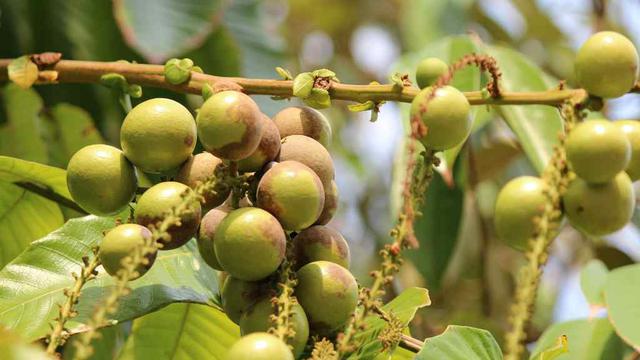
(119, 243)
(429, 70)
(446, 117)
(631, 128)
(250, 244)
(208, 226)
(101, 180)
(158, 135)
(330, 203)
(258, 318)
(597, 150)
(517, 205)
(199, 168)
(230, 125)
(259, 346)
(321, 243)
(267, 149)
(307, 151)
(303, 120)
(328, 293)
(154, 204)
(607, 65)
(238, 295)
(222, 279)
(293, 193)
(600, 209)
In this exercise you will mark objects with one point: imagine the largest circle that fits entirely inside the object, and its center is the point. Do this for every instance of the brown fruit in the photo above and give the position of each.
(307, 151)
(199, 168)
(267, 149)
(208, 227)
(303, 120)
(321, 243)
(330, 203)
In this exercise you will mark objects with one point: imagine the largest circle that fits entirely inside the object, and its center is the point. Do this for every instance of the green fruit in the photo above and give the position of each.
(258, 318)
(101, 180)
(158, 135)
(303, 120)
(600, 209)
(330, 203)
(199, 168)
(607, 65)
(293, 193)
(238, 295)
(307, 151)
(267, 149)
(259, 346)
(321, 243)
(230, 125)
(161, 198)
(222, 279)
(519, 202)
(208, 226)
(429, 70)
(597, 150)
(328, 293)
(631, 128)
(119, 243)
(250, 244)
(446, 117)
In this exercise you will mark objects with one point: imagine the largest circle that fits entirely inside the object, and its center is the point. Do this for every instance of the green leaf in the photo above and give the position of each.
(318, 99)
(365, 106)
(13, 347)
(587, 340)
(17, 170)
(553, 352)
(593, 277)
(536, 126)
(23, 72)
(33, 283)
(302, 85)
(284, 73)
(165, 28)
(178, 71)
(404, 307)
(323, 73)
(181, 331)
(621, 294)
(74, 130)
(461, 343)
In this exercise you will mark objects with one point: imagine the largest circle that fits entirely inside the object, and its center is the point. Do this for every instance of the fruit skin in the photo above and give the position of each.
(257, 318)
(321, 243)
(259, 346)
(119, 243)
(293, 193)
(101, 179)
(518, 203)
(597, 150)
(250, 244)
(631, 128)
(230, 125)
(303, 120)
(607, 65)
(208, 226)
(331, 197)
(328, 294)
(158, 135)
(159, 199)
(429, 70)
(199, 168)
(307, 151)
(447, 117)
(238, 295)
(600, 209)
(267, 150)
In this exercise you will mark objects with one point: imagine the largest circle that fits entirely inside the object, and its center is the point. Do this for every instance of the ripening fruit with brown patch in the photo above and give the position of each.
(321, 243)
(259, 346)
(160, 198)
(158, 135)
(230, 125)
(293, 193)
(208, 226)
(600, 209)
(631, 128)
(101, 179)
(196, 170)
(258, 318)
(249, 244)
(328, 294)
(119, 243)
(305, 150)
(303, 120)
(331, 200)
(238, 295)
(267, 150)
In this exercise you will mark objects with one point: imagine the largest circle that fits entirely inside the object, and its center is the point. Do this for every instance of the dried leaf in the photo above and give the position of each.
(23, 71)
